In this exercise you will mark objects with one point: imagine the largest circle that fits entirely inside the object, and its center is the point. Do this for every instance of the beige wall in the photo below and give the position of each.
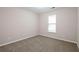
(78, 28)
(66, 24)
(16, 24)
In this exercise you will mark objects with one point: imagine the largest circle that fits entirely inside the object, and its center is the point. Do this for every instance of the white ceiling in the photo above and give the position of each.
(40, 9)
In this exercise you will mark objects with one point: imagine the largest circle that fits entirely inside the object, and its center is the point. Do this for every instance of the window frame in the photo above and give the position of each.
(52, 24)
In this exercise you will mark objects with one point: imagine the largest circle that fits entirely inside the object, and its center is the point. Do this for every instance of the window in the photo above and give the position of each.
(52, 23)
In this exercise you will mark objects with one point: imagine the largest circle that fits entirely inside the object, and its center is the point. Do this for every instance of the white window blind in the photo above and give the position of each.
(52, 23)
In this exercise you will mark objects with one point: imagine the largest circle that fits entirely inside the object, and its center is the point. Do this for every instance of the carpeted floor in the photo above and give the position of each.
(40, 44)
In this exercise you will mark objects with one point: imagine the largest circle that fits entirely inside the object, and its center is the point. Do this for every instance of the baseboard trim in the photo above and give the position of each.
(60, 39)
(34, 36)
(16, 40)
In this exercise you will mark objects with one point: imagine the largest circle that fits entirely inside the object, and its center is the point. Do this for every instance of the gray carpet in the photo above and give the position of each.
(40, 44)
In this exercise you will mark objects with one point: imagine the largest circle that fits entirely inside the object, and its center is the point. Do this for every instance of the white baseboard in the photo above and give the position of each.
(60, 39)
(16, 40)
(34, 36)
